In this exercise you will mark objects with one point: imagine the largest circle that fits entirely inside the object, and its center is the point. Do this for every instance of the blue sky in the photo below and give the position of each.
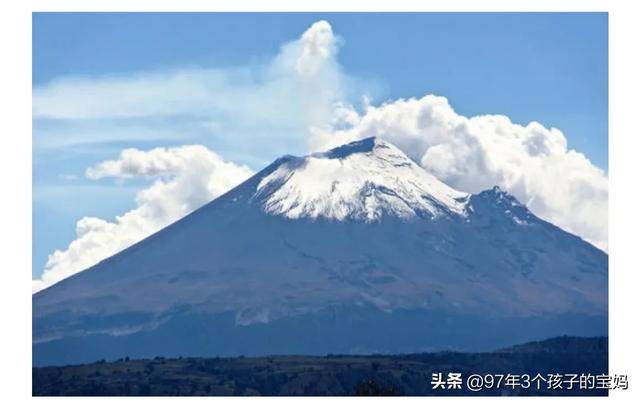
(550, 68)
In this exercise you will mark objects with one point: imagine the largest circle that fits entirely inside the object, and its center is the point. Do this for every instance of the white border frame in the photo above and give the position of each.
(16, 159)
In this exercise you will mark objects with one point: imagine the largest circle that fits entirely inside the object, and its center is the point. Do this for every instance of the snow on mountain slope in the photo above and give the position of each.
(322, 252)
(360, 180)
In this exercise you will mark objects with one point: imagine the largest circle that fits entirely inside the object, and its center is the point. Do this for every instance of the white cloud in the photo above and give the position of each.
(294, 89)
(475, 153)
(185, 177)
(318, 46)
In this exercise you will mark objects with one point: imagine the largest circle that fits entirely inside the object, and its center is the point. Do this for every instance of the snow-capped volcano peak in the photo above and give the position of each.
(362, 180)
(241, 271)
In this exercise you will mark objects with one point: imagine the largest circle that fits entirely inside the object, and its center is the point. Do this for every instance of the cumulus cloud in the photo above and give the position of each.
(184, 177)
(475, 153)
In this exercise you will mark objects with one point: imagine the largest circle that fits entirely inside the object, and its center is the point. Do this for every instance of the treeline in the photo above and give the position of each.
(328, 375)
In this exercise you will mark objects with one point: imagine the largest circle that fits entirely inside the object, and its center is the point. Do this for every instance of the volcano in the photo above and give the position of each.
(354, 250)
